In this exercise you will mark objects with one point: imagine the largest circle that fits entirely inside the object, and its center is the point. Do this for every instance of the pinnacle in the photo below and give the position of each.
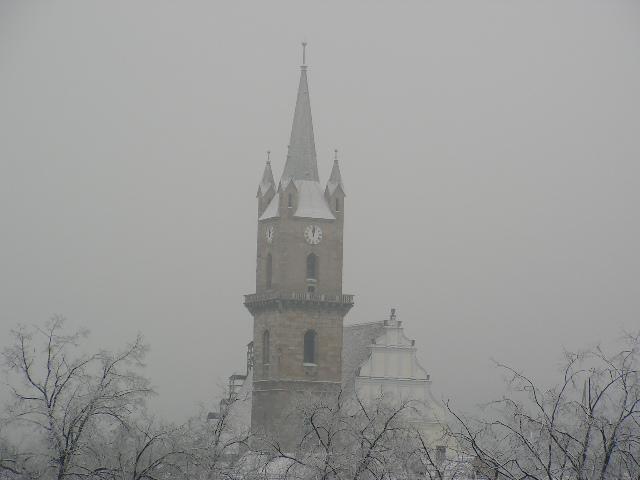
(267, 179)
(335, 179)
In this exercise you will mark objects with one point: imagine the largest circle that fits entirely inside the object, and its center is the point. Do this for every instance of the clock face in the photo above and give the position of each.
(268, 233)
(313, 234)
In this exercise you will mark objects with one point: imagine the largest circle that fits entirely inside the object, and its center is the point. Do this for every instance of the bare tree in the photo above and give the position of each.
(220, 440)
(347, 439)
(11, 462)
(83, 416)
(442, 460)
(143, 449)
(65, 397)
(587, 427)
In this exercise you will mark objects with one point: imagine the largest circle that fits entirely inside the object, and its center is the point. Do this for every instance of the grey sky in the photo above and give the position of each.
(489, 150)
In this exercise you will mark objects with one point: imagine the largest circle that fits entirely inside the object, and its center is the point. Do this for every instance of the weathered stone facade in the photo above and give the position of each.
(289, 252)
(298, 307)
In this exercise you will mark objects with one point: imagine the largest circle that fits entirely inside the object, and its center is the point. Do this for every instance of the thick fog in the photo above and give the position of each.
(490, 151)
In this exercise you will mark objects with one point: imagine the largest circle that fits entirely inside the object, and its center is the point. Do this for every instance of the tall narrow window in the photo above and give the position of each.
(337, 204)
(312, 267)
(269, 270)
(290, 200)
(265, 348)
(309, 347)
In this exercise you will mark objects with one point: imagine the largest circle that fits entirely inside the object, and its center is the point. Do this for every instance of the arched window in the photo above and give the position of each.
(265, 348)
(291, 200)
(312, 266)
(309, 347)
(337, 204)
(269, 270)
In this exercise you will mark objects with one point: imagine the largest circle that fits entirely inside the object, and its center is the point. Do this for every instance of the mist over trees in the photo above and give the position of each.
(587, 426)
(83, 415)
(79, 415)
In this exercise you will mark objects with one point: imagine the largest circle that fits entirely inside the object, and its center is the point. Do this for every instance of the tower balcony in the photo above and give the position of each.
(256, 302)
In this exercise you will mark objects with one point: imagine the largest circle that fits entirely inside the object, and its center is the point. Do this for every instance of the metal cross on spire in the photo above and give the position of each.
(304, 53)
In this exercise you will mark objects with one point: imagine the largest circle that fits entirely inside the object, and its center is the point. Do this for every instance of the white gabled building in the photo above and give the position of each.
(380, 361)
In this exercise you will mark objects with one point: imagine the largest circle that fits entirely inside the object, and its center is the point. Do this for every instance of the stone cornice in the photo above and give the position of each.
(264, 301)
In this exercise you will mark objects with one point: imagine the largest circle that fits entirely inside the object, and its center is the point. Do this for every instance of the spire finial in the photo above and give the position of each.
(335, 155)
(304, 54)
(268, 156)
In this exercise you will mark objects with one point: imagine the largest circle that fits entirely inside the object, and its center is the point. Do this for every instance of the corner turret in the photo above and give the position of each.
(267, 187)
(334, 191)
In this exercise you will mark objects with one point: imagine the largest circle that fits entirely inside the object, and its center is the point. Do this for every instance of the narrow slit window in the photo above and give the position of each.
(290, 200)
(265, 348)
(337, 204)
(310, 347)
(312, 267)
(269, 269)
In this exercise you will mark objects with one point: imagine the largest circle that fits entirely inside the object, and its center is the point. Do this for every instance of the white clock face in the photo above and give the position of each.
(269, 233)
(313, 234)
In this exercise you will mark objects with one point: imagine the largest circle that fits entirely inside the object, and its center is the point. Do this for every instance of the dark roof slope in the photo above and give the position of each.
(355, 349)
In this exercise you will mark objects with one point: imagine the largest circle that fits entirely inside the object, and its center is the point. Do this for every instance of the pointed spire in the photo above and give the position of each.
(301, 159)
(267, 181)
(335, 179)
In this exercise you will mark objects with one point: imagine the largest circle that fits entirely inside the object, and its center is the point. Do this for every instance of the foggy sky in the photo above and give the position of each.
(489, 150)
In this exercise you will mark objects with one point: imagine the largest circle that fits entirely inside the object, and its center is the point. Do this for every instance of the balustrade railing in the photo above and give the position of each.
(298, 296)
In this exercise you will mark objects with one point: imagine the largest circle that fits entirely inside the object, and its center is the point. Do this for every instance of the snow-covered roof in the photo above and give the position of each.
(301, 166)
(311, 202)
(356, 348)
(272, 209)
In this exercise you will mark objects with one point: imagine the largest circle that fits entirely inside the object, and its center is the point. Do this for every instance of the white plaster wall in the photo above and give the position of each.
(393, 372)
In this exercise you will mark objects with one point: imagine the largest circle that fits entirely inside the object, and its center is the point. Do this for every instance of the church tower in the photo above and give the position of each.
(298, 306)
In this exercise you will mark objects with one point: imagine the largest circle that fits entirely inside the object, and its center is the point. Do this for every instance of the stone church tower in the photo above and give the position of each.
(298, 306)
